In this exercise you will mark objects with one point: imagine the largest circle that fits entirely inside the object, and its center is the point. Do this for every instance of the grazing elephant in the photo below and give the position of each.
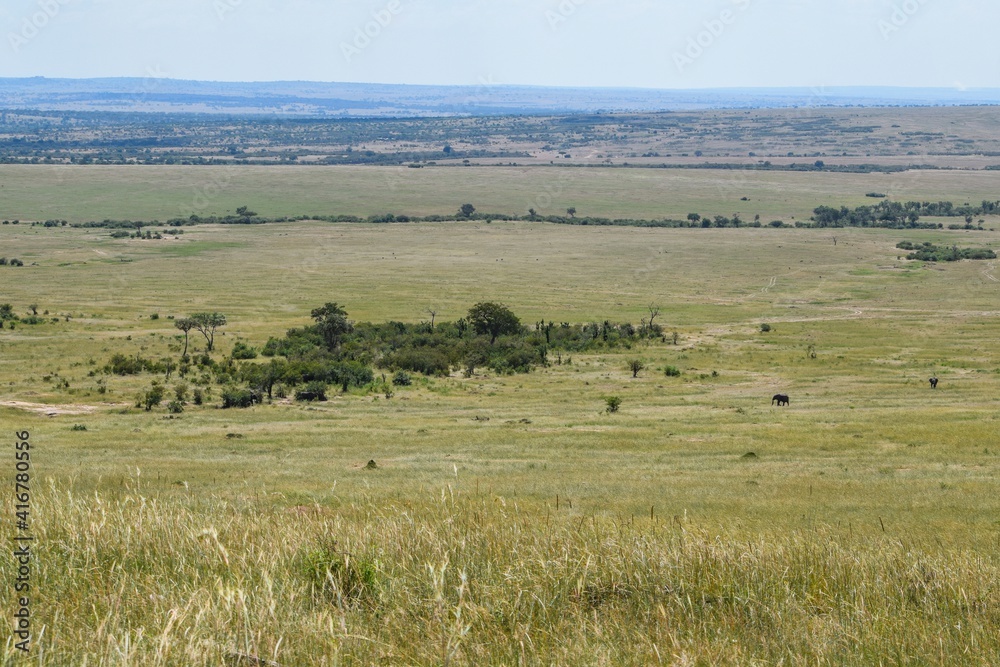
(933, 382)
(782, 399)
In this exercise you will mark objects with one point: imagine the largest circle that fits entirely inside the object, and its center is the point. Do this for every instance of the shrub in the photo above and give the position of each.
(636, 365)
(152, 397)
(765, 327)
(233, 397)
(341, 578)
(350, 373)
(78, 427)
(243, 351)
(314, 391)
(175, 407)
(428, 361)
(514, 360)
(613, 403)
(124, 365)
(402, 379)
(199, 396)
(671, 371)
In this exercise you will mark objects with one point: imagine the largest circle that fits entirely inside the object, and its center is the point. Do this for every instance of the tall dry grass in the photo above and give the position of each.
(465, 579)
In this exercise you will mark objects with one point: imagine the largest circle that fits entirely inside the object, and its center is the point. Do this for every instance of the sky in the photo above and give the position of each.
(678, 44)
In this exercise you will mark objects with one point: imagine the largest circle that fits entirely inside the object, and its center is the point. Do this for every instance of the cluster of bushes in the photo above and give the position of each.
(928, 252)
(121, 364)
(899, 215)
(154, 395)
(11, 262)
(148, 235)
(491, 336)
(337, 352)
(10, 318)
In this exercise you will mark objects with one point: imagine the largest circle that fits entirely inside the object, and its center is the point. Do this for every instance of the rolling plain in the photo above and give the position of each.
(510, 519)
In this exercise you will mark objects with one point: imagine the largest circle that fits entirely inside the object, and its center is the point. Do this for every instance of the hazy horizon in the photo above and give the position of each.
(640, 44)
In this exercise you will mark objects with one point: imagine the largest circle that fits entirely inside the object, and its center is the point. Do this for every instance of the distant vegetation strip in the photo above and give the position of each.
(884, 214)
(929, 252)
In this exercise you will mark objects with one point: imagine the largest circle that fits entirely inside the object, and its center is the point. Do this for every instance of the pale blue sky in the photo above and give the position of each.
(640, 43)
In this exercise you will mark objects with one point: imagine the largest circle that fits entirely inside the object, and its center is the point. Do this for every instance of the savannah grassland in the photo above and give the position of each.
(511, 519)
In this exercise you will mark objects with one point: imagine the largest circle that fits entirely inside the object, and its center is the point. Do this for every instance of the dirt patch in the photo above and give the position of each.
(50, 410)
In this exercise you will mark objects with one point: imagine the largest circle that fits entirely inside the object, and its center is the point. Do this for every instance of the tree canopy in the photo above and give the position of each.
(332, 323)
(493, 319)
(207, 323)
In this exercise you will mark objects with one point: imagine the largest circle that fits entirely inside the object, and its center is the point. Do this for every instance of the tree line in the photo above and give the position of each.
(888, 214)
(896, 214)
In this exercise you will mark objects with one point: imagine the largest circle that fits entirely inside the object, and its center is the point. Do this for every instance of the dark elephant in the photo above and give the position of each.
(933, 382)
(782, 399)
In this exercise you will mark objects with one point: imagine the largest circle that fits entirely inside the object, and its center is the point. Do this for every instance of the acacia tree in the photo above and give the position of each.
(493, 319)
(466, 211)
(207, 323)
(332, 323)
(654, 310)
(185, 324)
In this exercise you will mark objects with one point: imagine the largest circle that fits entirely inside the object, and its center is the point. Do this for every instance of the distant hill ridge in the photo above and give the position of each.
(307, 98)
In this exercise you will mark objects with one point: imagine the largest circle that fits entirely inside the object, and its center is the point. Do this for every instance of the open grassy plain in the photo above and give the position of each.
(157, 192)
(511, 519)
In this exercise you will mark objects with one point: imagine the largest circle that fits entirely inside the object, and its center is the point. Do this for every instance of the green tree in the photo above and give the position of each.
(270, 375)
(207, 323)
(635, 365)
(332, 324)
(153, 396)
(493, 319)
(185, 324)
(571, 211)
(466, 211)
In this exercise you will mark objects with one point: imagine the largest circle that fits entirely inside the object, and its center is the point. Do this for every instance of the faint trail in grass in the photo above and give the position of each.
(988, 272)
